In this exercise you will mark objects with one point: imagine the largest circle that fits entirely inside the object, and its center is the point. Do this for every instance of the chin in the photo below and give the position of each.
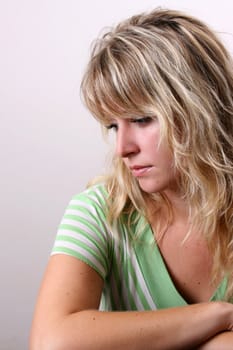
(150, 187)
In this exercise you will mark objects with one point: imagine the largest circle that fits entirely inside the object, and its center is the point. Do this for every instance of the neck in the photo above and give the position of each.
(179, 205)
(177, 213)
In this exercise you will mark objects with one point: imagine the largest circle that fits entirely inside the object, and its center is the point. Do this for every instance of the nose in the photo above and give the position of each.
(126, 144)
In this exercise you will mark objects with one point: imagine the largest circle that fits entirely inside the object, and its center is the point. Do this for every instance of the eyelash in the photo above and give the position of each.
(143, 120)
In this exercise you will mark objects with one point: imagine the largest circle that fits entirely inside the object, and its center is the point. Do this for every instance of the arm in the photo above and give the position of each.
(67, 316)
(223, 341)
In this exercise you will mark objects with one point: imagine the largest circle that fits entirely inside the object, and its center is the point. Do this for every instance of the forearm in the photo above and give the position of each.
(223, 341)
(170, 329)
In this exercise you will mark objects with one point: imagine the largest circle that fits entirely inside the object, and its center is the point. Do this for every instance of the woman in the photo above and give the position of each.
(143, 258)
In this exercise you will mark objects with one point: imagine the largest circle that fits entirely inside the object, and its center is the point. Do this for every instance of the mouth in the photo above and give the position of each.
(139, 171)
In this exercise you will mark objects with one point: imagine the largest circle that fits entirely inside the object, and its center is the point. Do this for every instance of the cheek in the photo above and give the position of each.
(168, 165)
(164, 154)
(153, 142)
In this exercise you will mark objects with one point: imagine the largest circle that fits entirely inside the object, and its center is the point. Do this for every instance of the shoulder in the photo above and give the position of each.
(87, 212)
(93, 198)
(84, 232)
(96, 193)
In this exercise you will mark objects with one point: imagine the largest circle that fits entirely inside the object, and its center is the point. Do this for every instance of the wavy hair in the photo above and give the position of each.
(170, 65)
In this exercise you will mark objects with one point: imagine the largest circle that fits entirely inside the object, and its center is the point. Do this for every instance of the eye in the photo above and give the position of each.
(142, 120)
(112, 126)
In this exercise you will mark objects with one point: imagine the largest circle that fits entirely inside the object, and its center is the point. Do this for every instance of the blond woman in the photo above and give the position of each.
(143, 258)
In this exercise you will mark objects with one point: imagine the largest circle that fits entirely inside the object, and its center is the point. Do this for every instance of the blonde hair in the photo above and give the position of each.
(172, 66)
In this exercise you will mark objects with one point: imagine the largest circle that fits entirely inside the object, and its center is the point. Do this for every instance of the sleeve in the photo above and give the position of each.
(83, 232)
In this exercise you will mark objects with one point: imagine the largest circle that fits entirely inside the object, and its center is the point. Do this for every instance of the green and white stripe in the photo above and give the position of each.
(134, 273)
(84, 233)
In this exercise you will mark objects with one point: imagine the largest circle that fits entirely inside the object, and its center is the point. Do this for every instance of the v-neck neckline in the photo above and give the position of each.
(156, 275)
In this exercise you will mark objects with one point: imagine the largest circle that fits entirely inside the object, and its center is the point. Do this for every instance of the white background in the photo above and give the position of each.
(49, 145)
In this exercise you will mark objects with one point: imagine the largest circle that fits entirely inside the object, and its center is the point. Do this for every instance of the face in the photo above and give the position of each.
(150, 162)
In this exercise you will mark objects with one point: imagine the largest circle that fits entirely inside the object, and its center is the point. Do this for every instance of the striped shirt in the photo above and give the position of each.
(134, 273)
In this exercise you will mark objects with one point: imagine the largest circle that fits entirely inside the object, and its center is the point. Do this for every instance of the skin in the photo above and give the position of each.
(138, 143)
(66, 313)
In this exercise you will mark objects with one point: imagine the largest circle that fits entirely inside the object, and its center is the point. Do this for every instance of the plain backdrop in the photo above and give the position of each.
(49, 145)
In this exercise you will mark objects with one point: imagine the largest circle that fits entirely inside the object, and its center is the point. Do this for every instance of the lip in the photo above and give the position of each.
(139, 170)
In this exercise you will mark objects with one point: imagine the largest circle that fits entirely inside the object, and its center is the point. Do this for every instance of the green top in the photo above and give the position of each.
(134, 273)
(166, 293)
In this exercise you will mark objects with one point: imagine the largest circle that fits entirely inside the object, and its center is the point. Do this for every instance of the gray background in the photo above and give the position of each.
(49, 145)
